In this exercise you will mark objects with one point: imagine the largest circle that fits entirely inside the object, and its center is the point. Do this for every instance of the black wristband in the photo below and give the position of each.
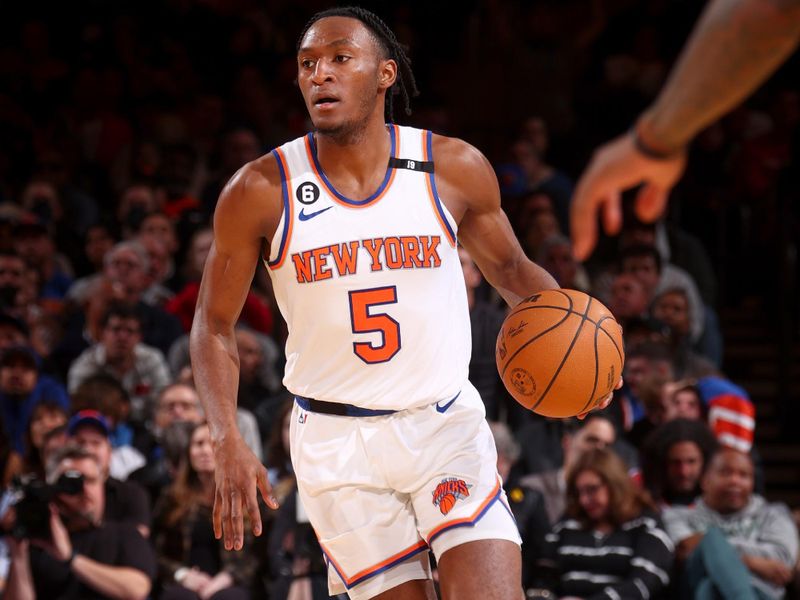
(649, 152)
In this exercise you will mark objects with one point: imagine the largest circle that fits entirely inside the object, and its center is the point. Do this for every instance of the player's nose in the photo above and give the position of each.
(322, 72)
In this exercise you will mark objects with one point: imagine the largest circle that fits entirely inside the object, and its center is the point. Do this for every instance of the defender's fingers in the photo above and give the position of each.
(583, 220)
(650, 203)
(612, 213)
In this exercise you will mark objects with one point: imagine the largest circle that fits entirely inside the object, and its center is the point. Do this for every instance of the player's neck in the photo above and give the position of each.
(356, 156)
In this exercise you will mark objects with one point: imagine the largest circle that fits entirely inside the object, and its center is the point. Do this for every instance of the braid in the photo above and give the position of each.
(405, 83)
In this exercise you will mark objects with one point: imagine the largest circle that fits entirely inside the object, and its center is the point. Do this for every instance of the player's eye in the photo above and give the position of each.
(307, 63)
(340, 58)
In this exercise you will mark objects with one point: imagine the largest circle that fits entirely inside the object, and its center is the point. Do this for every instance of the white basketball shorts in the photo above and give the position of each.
(382, 490)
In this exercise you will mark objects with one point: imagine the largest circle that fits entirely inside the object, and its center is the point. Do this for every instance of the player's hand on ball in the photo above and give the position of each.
(239, 477)
(604, 404)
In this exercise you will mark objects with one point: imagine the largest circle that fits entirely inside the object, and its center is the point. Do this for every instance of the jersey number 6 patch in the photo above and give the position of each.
(363, 321)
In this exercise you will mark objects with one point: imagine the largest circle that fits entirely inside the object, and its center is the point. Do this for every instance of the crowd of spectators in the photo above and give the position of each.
(121, 123)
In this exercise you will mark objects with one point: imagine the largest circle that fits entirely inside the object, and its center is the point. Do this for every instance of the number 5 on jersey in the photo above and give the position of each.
(365, 322)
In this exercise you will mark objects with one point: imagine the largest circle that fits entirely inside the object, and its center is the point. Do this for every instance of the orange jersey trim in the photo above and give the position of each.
(430, 184)
(288, 210)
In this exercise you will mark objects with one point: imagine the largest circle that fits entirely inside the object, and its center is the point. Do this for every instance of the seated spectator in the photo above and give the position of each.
(192, 562)
(21, 389)
(292, 560)
(259, 379)
(597, 432)
(255, 313)
(120, 352)
(733, 543)
(672, 307)
(85, 558)
(486, 319)
(46, 417)
(13, 331)
(527, 505)
(124, 280)
(125, 500)
(628, 299)
(611, 543)
(674, 458)
(159, 263)
(129, 443)
(555, 256)
(655, 411)
(12, 272)
(33, 242)
(682, 400)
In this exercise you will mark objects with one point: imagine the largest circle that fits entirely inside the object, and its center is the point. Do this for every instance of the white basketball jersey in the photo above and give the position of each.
(371, 289)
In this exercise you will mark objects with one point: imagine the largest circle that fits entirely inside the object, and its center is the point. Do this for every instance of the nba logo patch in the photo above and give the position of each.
(448, 491)
(302, 418)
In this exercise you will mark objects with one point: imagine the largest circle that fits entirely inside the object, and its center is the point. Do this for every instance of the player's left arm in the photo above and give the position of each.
(467, 184)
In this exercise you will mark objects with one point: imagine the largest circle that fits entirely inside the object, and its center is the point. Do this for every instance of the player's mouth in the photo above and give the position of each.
(325, 102)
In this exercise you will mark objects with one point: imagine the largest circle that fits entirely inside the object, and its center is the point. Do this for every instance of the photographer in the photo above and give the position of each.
(82, 558)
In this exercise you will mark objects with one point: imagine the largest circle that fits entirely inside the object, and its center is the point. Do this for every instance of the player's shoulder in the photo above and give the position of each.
(457, 154)
(257, 183)
(464, 171)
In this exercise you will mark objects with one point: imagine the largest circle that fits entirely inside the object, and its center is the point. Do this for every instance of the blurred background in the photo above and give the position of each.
(120, 122)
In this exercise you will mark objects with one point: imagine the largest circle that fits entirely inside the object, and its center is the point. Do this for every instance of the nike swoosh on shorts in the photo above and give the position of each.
(306, 216)
(443, 407)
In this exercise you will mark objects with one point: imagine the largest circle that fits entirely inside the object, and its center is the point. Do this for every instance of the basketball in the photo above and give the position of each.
(560, 353)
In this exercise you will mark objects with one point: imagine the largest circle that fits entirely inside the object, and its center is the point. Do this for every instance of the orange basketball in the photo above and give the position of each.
(560, 353)
(446, 503)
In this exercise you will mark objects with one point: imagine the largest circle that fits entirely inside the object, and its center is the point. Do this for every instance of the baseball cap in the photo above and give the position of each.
(23, 353)
(88, 417)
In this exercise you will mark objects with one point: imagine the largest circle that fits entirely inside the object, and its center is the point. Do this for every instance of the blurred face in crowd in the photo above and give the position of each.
(673, 309)
(96, 442)
(560, 263)
(36, 247)
(10, 336)
(535, 131)
(637, 369)
(682, 403)
(178, 403)
(198, 253)
(645, 269)
(593, 495)
(201, 453)
(138, 198)
(250, 355)
(160, 227)
(119, 337)
(43, 420)
(628, 297)
(597, 432)
(684, 467)
(240, 147)
(90, 503)
(125, 269)
(97, 244)
(12, 271)
(542, 225)
(728, 481)
(18, 376)
(41, 199)
(159, 258)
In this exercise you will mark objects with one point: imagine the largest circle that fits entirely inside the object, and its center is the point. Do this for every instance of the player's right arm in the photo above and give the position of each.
(247, 213)
(734, 47)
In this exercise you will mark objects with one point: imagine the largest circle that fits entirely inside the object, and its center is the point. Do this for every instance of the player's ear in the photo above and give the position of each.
(387, 73)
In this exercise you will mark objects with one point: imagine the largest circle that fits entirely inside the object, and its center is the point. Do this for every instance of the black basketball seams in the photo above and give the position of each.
(610, 337)
(596, 370)
(567, 353)
(530, 341)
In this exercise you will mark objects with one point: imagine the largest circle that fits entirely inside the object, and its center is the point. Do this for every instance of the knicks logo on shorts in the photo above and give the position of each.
(448, 491)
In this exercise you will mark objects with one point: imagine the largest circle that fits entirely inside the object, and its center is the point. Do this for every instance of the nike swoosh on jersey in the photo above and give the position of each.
(443, 407)
(306, 216)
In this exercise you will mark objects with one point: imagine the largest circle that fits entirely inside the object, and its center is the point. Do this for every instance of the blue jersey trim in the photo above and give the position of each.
(451, 234)
(286, 216)
(335, 192)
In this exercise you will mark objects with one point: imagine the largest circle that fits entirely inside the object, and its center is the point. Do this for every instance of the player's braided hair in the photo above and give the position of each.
(405, 82)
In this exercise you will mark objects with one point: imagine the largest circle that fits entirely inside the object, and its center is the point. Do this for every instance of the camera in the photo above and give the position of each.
(31, 499)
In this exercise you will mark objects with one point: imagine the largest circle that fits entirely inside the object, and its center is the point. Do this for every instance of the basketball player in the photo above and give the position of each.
(357, 223)
(735, 47)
